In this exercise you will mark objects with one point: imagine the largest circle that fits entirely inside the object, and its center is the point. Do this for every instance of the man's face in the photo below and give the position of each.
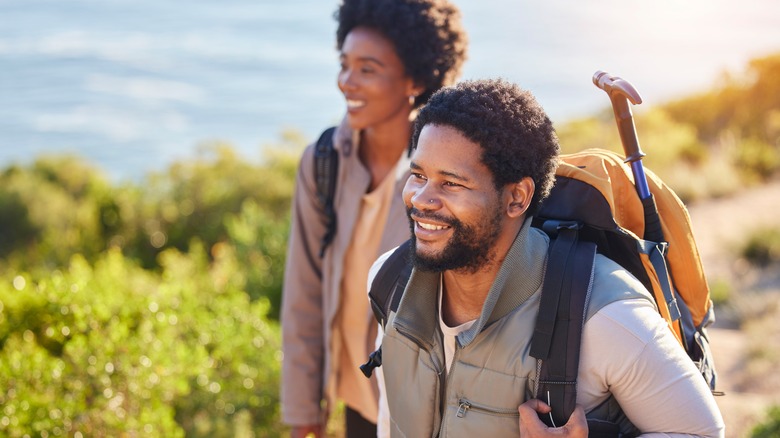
(454, 209)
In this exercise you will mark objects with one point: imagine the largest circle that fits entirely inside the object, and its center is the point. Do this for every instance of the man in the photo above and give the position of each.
(455, 354)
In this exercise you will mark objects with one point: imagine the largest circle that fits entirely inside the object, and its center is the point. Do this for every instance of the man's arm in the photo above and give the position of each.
(628, 350)
(301, 313)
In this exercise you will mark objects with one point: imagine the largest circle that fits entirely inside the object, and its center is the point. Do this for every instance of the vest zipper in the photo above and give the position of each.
(445, 377)
(465, 405)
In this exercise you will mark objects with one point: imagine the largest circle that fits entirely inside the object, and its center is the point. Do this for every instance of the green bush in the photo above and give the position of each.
(762, 248)
(757, 160)
(56, 212)
(720, 291)
(193, 198)
(58, 207)
(113, 350)
(261, 248)
(769, 428)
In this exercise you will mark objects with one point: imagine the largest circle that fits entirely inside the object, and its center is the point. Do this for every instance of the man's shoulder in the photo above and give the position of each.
(612, 283)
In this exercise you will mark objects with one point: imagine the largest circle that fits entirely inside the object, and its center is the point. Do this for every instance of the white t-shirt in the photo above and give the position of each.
(450, 333)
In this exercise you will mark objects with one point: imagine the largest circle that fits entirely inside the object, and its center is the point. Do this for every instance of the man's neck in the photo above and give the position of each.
(464, 295)
(465, 291)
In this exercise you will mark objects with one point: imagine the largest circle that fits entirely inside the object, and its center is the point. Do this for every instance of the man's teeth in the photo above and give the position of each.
(431, 226)
(355, 103)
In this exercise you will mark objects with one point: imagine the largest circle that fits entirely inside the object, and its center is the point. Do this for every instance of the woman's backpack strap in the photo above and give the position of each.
(326, 170)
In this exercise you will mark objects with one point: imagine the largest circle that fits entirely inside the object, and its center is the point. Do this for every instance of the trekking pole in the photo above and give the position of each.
(621, 92)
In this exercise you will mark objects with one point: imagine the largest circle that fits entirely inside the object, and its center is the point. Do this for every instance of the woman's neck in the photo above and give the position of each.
(382, 146)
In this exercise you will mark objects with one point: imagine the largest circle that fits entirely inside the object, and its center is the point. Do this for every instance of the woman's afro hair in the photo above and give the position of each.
(516, 136)
(427, 34)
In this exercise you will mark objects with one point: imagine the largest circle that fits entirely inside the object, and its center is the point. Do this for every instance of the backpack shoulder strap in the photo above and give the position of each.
(385, 294)
(389, 283)
(326, 166)
(558, 331)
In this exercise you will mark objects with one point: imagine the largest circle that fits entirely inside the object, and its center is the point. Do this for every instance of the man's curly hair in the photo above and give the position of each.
(516, 136)
(427, 34)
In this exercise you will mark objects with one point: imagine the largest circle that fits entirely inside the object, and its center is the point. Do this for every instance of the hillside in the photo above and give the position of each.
(719, 226)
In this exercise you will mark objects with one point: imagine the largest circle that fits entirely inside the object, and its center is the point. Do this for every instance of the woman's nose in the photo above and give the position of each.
(345, 80)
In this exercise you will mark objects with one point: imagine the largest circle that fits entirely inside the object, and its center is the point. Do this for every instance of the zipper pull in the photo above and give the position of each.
(462, 408)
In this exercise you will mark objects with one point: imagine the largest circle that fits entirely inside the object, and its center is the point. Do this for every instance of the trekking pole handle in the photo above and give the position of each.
(621, 92)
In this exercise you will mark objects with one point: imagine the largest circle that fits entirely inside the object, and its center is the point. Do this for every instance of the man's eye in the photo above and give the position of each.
(452, 184)
(418, 176)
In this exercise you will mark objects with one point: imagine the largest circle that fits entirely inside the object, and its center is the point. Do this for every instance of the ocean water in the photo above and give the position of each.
(132, 85)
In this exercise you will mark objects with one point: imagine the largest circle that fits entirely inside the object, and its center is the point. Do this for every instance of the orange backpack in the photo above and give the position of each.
(597, 187)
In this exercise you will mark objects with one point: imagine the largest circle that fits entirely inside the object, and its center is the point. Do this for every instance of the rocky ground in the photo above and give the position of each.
(720, 226)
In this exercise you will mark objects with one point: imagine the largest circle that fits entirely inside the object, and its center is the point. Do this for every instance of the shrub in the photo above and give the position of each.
(113, 350)
(763, 247)
(261, 247)
(770, 428)
(57, 204)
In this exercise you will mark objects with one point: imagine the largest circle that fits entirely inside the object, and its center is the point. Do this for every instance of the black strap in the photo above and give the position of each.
(326, 169)
(386, 292)
(556, 339)
(389, 283)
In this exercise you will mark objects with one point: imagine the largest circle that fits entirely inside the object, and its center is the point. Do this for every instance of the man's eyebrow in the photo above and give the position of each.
(453, 175)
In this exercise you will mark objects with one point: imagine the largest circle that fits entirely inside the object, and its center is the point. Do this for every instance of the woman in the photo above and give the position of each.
(394, 54)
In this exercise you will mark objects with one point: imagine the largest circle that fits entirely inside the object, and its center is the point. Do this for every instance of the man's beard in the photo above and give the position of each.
(469, 249)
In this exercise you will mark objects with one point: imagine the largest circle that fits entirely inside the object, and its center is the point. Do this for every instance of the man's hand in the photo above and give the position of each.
(310, 431)
(531, 426)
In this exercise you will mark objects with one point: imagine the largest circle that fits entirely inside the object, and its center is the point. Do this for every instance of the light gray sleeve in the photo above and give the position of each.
(629, 351)
(383, 419)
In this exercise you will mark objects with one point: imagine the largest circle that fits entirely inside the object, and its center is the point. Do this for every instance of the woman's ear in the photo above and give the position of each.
(414, 89)
(521, 194)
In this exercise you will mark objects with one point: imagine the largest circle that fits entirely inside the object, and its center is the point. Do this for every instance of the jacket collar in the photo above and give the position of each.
(520, 276)
(347, 141)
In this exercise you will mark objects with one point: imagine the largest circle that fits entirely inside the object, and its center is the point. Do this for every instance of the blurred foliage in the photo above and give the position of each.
(762, 247)
(720, 291)
(707, 145)
(144, 309)
(113, 349)
(193, 197)
(770, 428)
(52, 210)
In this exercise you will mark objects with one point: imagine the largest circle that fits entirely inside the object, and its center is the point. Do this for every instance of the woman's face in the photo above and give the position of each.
(373, 80)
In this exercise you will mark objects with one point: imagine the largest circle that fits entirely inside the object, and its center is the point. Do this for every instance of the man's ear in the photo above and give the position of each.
(520, 194)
